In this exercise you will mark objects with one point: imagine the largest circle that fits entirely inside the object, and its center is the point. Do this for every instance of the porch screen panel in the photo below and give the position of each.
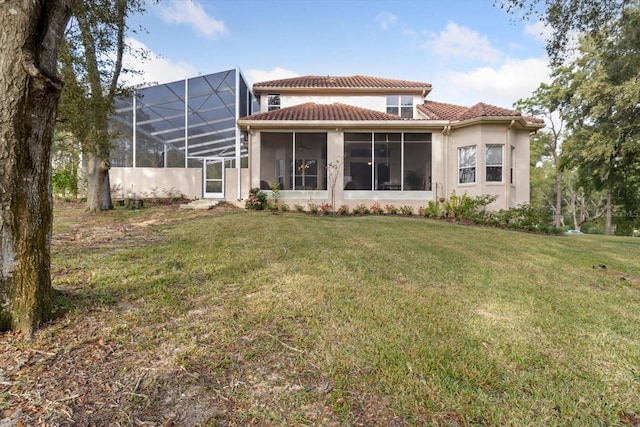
(212, 106)
(387, 157)
(276, 157)
(357, 161)
(310, 161)
(159, 123)
(121, 125)
(417, 162)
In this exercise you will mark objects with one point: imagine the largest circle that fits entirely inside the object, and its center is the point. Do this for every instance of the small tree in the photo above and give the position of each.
(91, 63)
(549, 101)
(333, 173)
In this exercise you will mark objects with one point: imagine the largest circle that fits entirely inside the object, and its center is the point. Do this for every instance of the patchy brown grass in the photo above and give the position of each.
(228, 317)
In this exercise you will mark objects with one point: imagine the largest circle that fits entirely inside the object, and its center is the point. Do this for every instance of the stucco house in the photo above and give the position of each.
(324, 139)
(360, 140)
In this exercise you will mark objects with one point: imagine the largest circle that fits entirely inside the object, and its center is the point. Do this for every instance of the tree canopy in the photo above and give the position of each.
(566, 17)
(92, 63)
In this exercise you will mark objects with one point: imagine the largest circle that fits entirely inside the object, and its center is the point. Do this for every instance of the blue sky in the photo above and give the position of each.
(469, 50)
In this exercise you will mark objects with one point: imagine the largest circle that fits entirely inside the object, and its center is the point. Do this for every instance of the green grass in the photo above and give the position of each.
(376, 318)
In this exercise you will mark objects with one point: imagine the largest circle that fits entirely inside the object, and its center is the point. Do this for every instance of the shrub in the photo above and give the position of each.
(64, 183)
(406, 210)
(257, 199)
(523, 216)
(433, 209)
(376, 209)
(390, 210)
(298, 208)
(284, 207)
(313, 208)
(465, 207)
(343, 210)
(361, 209)
(326, 208)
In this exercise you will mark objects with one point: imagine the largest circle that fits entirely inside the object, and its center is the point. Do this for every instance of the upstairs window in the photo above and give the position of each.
(273, 101)
(493, 161)
(400, 105)
(467, 165)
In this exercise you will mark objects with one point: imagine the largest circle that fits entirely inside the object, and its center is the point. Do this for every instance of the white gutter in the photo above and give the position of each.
(507, 162)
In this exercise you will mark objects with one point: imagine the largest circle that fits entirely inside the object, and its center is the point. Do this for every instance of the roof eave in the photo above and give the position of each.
(422, 91)
(497, 120)
(343, 124)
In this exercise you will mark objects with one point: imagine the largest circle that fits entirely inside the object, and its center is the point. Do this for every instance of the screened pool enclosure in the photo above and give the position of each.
(185, 124)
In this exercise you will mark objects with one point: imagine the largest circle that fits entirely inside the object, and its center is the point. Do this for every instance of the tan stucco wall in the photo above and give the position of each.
(231, 186)
(481, 135)
(371, 102)
(444, 171)
(144, 182)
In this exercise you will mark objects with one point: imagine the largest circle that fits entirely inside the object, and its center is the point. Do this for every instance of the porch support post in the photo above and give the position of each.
(135, 124)
(238, 142)
(186, 122)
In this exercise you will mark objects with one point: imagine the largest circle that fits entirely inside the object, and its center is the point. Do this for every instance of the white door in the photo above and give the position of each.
(213, 178)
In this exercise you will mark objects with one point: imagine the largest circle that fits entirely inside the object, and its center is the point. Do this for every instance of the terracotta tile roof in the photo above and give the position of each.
(535, 120)
(323, 112)
(443, 111)
(348, 82)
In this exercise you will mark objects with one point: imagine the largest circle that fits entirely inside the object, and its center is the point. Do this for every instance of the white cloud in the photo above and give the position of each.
(193, 14)
(153, 69)
(502, 86)
(539, 31)
(256, 76)
(461, 42)
(386, 20)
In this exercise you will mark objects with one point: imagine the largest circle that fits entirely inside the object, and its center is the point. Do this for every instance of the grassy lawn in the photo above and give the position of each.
(250, 317)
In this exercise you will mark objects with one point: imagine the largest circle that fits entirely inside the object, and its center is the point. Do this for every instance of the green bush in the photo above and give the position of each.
(257, 200)
(523, 216)
(432, 210)
(465, 207)
(313, 208)
(406, 210)
(65, 183)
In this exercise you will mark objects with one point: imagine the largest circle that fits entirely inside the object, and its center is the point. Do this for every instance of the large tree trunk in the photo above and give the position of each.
(98, 183)
(29, 93)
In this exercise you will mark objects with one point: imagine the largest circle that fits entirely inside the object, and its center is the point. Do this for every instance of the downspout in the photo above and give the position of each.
(507, 162)
(249, 156)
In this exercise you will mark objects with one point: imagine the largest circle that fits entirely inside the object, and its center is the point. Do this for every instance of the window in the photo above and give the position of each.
(387, 161)
(417, 162)
(400, 105)
(296, 161)
(273, 101)
(493, 163)
(467, 165)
